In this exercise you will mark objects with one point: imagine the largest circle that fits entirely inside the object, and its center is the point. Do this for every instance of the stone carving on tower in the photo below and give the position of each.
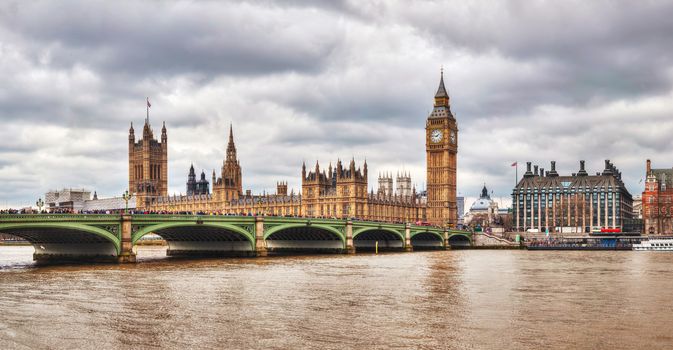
(441, 146)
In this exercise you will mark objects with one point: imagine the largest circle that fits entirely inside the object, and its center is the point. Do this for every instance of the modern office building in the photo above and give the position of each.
(579, 203)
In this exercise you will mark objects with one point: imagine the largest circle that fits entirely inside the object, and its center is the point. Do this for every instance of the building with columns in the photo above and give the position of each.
(544, 200)
(657, 201)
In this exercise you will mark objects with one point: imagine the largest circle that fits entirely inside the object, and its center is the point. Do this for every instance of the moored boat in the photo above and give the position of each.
(655, 244)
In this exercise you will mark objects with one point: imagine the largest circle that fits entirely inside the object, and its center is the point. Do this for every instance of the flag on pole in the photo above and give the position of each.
(514, 164)
(147, 119)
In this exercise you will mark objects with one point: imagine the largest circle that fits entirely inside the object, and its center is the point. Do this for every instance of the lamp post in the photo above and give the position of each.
(126, 196)
(40, 204)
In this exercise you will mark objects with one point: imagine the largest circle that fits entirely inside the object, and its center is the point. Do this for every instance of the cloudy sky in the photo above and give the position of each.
(308, 80)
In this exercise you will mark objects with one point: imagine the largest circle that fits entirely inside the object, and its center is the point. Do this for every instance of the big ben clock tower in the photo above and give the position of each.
(441, 147)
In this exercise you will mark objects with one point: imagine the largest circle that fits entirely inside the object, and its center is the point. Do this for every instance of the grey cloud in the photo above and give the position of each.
(580, 52)
(159, 38)
(305, 80)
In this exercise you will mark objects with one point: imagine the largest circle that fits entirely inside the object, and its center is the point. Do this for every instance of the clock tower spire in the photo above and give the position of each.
(441, 147)
(442, 97)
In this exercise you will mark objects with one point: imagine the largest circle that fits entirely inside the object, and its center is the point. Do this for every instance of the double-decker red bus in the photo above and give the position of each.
(600, 230)
(611, 230)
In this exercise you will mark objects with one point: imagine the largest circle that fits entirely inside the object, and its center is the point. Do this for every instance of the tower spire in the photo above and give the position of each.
(231, 146)
(441, 90)
(231, 133)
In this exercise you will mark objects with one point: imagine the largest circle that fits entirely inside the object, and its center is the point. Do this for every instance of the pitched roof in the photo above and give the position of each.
(664, 176)
(441, 90)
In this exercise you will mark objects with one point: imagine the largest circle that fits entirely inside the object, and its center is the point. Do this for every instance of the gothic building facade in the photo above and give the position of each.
(148, 165)
(340, 191)
(196, 187)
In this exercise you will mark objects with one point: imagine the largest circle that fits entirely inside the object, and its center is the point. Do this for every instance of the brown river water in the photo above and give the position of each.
(469, 299)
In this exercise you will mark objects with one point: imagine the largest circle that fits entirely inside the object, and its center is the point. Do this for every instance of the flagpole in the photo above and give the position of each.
(147, 105)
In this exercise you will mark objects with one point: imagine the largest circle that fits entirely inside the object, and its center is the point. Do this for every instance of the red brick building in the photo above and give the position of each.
(658, 201)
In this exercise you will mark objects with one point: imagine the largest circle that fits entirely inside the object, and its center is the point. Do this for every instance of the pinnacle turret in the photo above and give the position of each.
(231, 146)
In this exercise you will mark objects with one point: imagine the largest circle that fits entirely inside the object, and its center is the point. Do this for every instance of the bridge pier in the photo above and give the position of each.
(260, 243)
(126, 254)
(446, 239)
(350, 247)
(407, 238)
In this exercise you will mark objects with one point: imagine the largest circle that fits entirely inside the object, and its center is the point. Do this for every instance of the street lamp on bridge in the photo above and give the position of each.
(40, 205)
(126, 196)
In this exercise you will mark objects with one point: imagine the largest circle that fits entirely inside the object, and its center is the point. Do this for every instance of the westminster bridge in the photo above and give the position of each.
(112, 237)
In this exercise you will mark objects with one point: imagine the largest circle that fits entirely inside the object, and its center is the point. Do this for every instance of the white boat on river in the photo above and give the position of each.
(655, 244)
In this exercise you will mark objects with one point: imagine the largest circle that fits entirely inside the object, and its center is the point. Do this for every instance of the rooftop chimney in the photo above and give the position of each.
(528, 173)
(582, 172)
(535, 171)
(553, 172)
(608, 168)
(648, 167)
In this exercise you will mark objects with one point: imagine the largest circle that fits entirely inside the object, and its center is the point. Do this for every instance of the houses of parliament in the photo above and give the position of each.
(339, 190)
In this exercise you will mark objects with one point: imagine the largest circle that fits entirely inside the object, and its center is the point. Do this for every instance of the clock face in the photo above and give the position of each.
(436, 135)
(453, 137)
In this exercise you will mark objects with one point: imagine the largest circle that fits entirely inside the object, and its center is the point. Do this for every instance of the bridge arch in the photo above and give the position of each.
(207, 238)
(366, 238)
(297, 237)
(427, 239)
(459, 240)
(360, 231)
(65, 239)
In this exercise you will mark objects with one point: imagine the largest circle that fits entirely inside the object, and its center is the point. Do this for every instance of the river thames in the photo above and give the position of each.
(469, 299)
